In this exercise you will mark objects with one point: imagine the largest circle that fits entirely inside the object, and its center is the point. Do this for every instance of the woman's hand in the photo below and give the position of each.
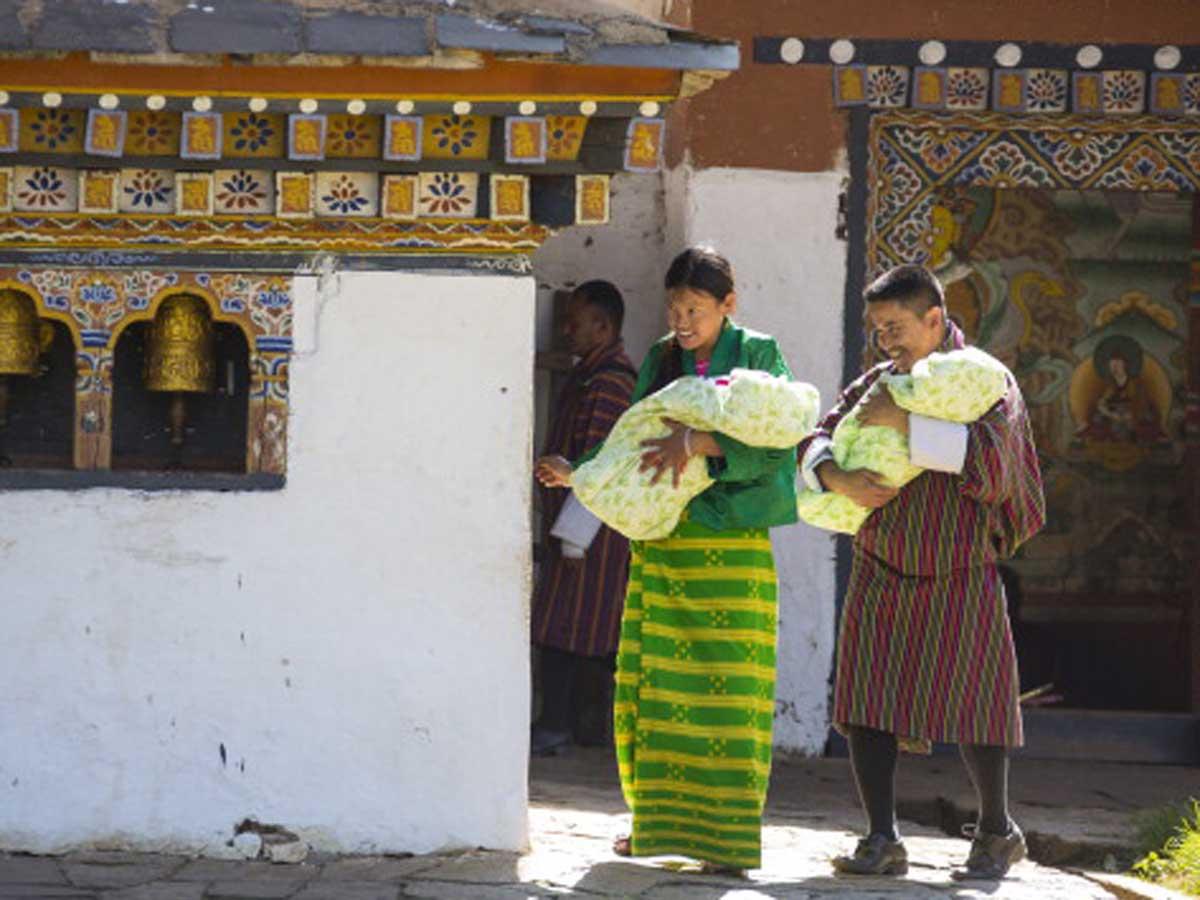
(880, 409)
(553, 471)
(670, 452)
(864, 487)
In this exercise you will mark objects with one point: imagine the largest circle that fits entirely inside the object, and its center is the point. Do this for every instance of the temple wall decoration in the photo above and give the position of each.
(96, 306)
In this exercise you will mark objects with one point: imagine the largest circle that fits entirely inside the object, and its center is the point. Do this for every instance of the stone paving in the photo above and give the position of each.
(575, 812)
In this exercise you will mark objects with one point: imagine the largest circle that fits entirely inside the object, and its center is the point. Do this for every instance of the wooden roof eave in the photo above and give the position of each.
(487, 77)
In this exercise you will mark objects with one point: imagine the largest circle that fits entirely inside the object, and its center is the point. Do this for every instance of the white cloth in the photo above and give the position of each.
(818, 451)
(576, 527)
(937, 444)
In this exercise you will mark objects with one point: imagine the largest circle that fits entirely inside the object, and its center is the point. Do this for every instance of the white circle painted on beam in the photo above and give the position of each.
(841, 51)
(3, 98)
(1089, 56)
(462, 108)
(1008, 55)
(588, 107)
(156, 102)
(527, 108)
(792, 50)
(356, 107)
(52, 99)
(109, 101)
(202, 104)
(932, 53)
(404, 107)
(649, 109)
(308, 106)
(1167, 57)
(257, 104)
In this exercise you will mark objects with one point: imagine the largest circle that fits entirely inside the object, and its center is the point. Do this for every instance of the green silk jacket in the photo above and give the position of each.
(755, 486)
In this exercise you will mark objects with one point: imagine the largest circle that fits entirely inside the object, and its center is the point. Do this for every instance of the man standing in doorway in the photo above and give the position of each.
(577, 607)
(925, 649)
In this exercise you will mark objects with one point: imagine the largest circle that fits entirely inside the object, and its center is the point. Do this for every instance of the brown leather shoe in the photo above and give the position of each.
(874, 855)
(992, 855)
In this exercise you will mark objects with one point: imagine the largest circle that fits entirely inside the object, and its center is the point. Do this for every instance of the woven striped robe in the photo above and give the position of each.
(577, 607)
(925, 648)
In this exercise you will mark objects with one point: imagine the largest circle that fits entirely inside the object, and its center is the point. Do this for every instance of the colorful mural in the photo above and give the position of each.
(915, 157)
(1085, 296)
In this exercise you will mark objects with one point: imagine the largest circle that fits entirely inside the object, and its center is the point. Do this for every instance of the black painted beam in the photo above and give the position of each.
(1034, 54)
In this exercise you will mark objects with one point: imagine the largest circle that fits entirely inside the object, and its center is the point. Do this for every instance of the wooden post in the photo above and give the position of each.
(1193, 449)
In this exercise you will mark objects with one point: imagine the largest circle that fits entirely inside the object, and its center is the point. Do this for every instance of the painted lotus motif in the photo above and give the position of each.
(147, 189)
(44, 189)
(241, 192)
(448, 194)
(345, 197)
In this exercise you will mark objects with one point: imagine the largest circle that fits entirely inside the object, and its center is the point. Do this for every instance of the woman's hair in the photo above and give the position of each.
(702, 269)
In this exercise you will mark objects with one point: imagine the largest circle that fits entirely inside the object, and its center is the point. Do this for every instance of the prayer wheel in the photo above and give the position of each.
(180, 355)
(180, 359)
(20, 334)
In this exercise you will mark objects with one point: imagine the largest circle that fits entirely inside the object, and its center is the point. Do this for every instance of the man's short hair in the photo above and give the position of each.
(603, 297)
(911, 285)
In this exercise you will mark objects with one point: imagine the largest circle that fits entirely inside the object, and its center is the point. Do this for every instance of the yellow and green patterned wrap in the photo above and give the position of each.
(695, 693)
(956, 386)
(754, 407)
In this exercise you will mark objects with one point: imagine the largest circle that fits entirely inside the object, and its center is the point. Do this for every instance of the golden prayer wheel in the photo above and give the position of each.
(20, 334)
(180, 353)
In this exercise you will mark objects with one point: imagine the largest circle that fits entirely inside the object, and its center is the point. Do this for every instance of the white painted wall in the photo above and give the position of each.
(357, 642)
(629, 251)
(777, 229)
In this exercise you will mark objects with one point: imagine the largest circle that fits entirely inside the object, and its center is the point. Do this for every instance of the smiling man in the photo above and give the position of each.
(925, 648)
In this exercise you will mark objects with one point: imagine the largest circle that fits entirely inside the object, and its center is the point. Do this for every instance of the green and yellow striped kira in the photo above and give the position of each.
(695, 694)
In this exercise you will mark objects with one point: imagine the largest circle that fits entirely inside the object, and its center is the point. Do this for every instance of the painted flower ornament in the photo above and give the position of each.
(242, 191)
(252, 132)
(458, 133)
(148, 189)
(447, 195)
(344, 197)
(43, 188)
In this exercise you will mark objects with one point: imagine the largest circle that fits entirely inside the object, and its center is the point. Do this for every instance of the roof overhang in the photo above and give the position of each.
(576, 32)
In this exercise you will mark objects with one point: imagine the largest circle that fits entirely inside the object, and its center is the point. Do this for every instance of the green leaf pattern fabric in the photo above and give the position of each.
(956, 386)
(751, 406)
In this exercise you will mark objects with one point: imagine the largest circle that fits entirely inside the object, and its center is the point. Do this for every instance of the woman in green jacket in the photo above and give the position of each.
(695, 694)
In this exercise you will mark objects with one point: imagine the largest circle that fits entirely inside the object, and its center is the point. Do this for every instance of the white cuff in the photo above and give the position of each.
(576, 525)
(937, 444)
(818, 451)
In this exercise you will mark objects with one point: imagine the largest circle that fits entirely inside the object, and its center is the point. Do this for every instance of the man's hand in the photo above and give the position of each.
(864, 487)
(880, 409)
(553, 471)
(667, 453)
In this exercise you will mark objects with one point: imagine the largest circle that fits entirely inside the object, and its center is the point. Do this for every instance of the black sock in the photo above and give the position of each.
(558, 677)
(873, 754)
(987, 765)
